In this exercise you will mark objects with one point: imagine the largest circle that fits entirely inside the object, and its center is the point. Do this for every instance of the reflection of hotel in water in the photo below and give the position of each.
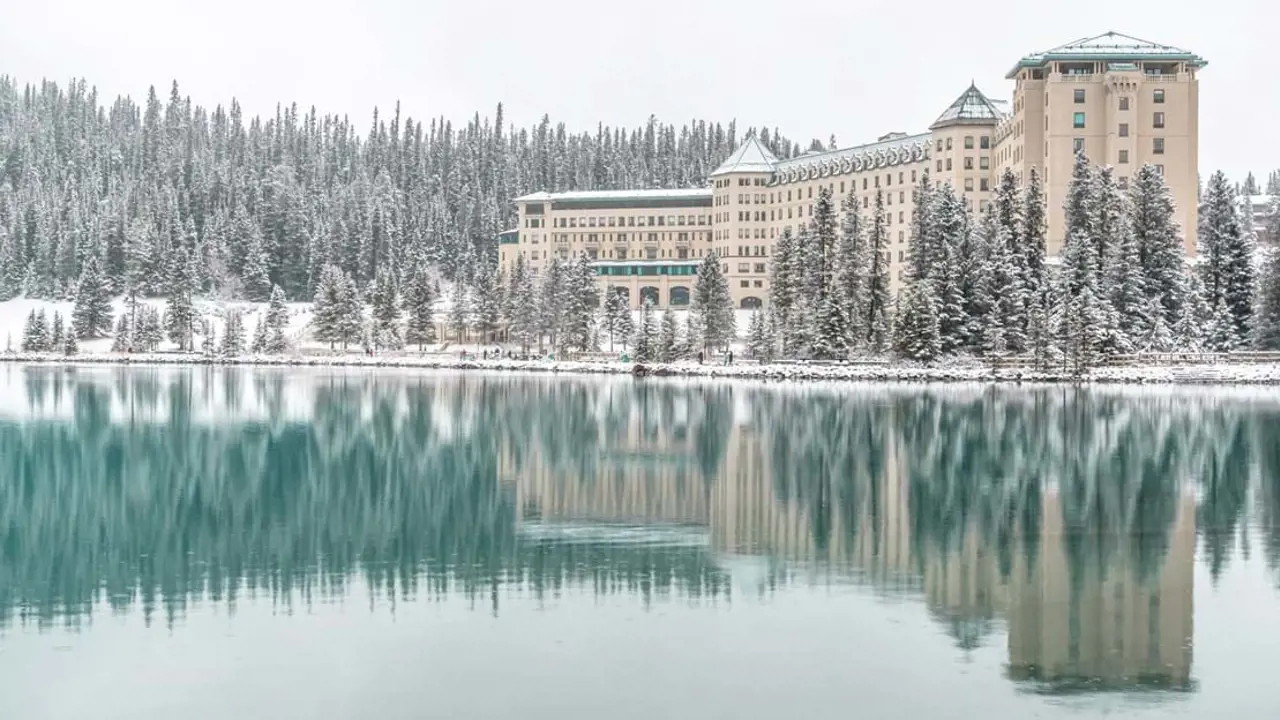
(1111, 631)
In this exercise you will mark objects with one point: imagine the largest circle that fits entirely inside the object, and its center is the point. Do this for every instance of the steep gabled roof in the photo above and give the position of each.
(971, 108)
(750, 157)
(1112, 46)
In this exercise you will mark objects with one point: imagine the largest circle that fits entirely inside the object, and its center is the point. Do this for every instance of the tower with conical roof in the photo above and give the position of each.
(963, 140)
(742, 223)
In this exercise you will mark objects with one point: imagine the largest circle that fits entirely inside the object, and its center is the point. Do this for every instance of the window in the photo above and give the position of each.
(939, 164)
(968, 142)
(1077, 145)
(968, 184)
(948, 163)
(984, 142)
(758, 283)
(939, 144)
(948, 143)
(759, 267)
(1124, 129)
(1124, 183)
(968, 163)
(1158, 96)
(1157, 120)
(984, 163)
(1124, 157)
(1078, 97)
(1160, 170)
(1077, 120)
(744, 283)
(1124, 103)
(984, 184)
(744, 267)
(1157, 146)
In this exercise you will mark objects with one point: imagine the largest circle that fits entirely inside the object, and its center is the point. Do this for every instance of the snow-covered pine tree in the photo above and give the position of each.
(208, 340)
(617, 316)
(70, 346)
(1266, 319)
(91, 317)
(1161, 254)
(419, 305)
(123, 339)
(1085, 327)
(1032, 240)
(1158, 336)
(150, 330)
(385, 311)
(712, 305)
(460, 312)
(327, 306)
(1250, 186)
(35, 334)
(1222, 334)
(783, 286)
(275, 322)
(918, 334)
(1039, 333)
(56, 331)
(582, 300)
(523, 322)
(668, 339)
(1006, 297)
(797, 334)
(552, 299)
(851, 272)
(831, 336)
(692, 342)
(233, 334)
(759, 344)
(351, 319)
(1126, 290)
(974, 266)
(878, 322)
(181, 312)
(488, 304)
(644, 346)
(255, 277)
(1226, 245)
(922, 255)
(818, 265)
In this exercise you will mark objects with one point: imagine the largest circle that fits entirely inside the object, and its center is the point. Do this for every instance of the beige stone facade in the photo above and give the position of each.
(1125, 102)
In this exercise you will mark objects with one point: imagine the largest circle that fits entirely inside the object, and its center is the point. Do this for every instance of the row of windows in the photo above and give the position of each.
(1078, 122)
(758, 268)
(632, 221)
(621, 237)
(1157, 147)
(1078, 96)
(742, 182)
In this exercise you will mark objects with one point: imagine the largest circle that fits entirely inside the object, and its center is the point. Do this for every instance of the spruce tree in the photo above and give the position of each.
(712, 305)
(123, 340)
(521, 299)
(918, 334)
(1226, 246)
(552, 299)
(275, 322)
(1266, 320)
(877, 324)
(150, 329)
(181, 317)
(35, 334)
(617, 316)
(759, 343)
(923, 255)
(582, 300)
(1161, 254)
(385, 302)
(850, 287)
(831, 338)
(668, 339)
(56, 332)
(328, 306)
(460, 312)
(351, 318)
(419, 305)
(644, 346)
(784, 288)
(1221, 335)
(70, 346)
(233, 334)
(1032, 240)
(92, 315)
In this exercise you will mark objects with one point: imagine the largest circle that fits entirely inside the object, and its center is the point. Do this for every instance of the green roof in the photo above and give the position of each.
(1110, 46)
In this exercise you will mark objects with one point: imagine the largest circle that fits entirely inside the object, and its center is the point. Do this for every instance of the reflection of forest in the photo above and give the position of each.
(1066, 515)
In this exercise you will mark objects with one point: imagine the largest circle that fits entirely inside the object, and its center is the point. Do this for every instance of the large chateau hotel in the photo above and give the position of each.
(1125, 102)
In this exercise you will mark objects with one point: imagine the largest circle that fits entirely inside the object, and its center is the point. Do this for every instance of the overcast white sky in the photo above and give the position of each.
(813, 68)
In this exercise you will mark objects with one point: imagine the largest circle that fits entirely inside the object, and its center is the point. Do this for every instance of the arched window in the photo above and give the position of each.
(751, 303)
(650, 294)
(625, 292)
(679, 296)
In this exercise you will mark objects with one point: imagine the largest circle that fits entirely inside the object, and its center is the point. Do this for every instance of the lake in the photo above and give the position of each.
(209, 543)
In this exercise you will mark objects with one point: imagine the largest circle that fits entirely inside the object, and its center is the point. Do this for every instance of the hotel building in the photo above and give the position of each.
(1125, 102)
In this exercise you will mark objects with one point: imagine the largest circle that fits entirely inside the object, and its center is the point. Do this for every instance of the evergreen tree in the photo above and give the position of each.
(57, 338)
(784, 287)
(274, 324)
(1158, 336)
(644, 346)
(350, 322)
(460, 312)
(328, 306)
(582, 300)
(923, 255)
(91, 317)
(852, 271)
(712, 305)
(1227, 245)
(1039, 333)
(1161, 256)
(759, 343)
(617, 316)
(1266, 320)
(877, 323)
(70, 346)
(385, 302)
(552, 299)
(150, 329)
(1032, 240)
(1005, 294)
(1222, 334)
(123, 340)
(524, 308)
(35, 334)
(668, 350)
(181, 318)
(259, 343)
(831, 337)
(918, 333)
(419, 305)
(233, 334)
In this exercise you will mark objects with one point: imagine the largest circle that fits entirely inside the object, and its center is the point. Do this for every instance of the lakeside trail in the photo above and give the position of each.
(1194, 374)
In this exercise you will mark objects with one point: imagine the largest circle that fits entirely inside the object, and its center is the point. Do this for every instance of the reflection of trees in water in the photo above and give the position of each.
(166, 513)
(1268, 449)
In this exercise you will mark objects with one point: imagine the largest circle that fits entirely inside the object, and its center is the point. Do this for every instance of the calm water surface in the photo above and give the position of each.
(203, 543)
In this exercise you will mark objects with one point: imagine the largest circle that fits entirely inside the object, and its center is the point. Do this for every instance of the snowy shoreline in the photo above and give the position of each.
(1206, 374)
